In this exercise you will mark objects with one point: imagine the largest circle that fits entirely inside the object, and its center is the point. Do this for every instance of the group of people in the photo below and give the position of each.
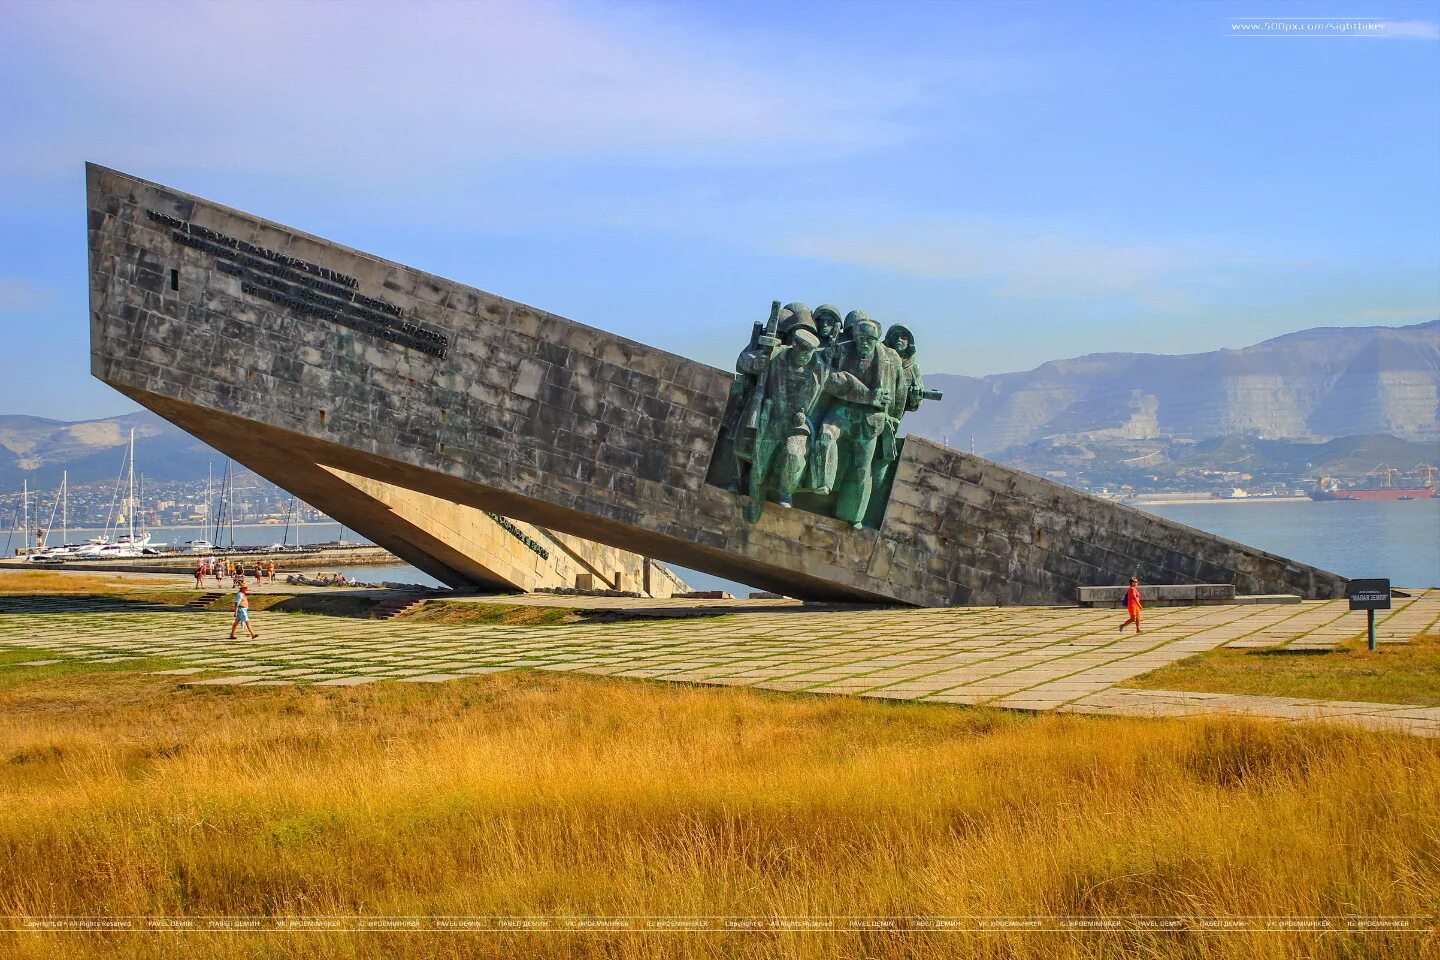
(222, 567)
(816, 406)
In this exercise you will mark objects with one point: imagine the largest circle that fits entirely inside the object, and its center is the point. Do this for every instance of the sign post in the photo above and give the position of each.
(1369, 595)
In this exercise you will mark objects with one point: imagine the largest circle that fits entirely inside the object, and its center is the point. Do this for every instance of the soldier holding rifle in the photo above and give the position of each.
(809, 392)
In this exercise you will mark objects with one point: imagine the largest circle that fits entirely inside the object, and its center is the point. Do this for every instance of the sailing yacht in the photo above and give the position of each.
(126, 545)
(62, 551)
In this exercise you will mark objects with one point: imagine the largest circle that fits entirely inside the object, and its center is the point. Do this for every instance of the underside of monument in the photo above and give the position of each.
(495, 445)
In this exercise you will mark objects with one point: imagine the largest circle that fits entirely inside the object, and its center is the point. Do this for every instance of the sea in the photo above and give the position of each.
(1398, 539)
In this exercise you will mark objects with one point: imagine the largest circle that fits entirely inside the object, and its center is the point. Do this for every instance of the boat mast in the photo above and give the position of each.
(25, 499)
(64, 508)
(130, 493)
(230, 500)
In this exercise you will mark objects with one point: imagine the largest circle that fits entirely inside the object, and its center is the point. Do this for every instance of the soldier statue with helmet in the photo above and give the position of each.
(820, 397)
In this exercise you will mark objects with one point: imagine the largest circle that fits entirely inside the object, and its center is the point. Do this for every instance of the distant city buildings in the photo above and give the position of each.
(172, 503)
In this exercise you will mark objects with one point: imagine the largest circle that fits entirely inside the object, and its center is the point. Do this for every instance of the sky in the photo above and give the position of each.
(1018, 182)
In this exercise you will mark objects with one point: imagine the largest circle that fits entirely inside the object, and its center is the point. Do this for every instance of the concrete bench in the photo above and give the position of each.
(1160, 595)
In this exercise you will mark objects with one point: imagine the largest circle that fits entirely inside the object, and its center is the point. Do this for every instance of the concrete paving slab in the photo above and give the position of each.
(1030, 658)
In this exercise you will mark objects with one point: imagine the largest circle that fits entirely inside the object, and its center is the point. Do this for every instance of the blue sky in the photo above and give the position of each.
(1017, 181)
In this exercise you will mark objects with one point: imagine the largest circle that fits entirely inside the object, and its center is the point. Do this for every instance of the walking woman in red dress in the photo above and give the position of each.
(1132, 604)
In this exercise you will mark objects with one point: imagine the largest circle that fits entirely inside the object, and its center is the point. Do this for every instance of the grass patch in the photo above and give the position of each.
(332, 605)
(534, 793)
(460, 613)
(1394, 673)
(53, 581)
(173, 598)
(13, 674)
(335, 605)
(455, 613)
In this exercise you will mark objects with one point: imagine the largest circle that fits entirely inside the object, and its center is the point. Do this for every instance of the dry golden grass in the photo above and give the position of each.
(542, 794)
(54, 581)
(1394, 673)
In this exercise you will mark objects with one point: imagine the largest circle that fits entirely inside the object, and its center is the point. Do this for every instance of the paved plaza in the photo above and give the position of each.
(1027, 658)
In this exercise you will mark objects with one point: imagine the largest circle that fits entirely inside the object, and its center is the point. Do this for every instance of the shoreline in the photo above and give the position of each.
(156, 528)
(290, 560)
(1151, 502)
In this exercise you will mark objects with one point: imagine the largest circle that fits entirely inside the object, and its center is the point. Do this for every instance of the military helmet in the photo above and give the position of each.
(828, 310)
(795, 316)
(864, 321)
(894, 333)
(803, 336)
(854, 317)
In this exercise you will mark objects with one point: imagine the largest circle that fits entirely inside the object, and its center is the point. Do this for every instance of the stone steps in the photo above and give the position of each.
(203, 601)
(392, 607)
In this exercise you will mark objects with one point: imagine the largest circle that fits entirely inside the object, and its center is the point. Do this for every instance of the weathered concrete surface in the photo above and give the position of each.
(544, 558)
(567, 427)
(1152, 593)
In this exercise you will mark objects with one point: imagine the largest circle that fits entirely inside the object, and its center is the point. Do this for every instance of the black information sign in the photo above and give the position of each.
(1368, 594)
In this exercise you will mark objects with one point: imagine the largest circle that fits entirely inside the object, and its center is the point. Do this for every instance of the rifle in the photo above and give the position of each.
(768, 338)
(762, 337)
(931, 395)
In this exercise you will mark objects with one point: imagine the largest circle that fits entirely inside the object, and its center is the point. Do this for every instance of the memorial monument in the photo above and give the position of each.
(434, 418)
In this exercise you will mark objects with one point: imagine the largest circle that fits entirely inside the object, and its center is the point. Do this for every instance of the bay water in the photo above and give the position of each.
(1399, 539)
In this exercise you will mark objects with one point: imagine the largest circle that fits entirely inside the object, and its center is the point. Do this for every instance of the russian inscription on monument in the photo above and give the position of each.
(813, 417)
(303, 287)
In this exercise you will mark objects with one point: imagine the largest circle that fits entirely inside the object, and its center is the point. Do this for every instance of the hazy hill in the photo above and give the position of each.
(1219, 463)
(1317, 384)
(38, 449)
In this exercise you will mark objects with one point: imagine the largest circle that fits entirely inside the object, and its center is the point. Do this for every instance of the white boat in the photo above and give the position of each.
(107, 551)
(118, 551)
(52, 555)
(199, 546)
(126, 545)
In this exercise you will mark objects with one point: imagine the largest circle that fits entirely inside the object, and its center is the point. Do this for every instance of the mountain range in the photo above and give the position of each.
(38, 449)
(1314, 385)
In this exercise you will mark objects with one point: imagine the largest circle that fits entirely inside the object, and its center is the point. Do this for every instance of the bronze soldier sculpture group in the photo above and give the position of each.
(816, 407)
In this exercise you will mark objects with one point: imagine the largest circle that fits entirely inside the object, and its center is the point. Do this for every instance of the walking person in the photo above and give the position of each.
(215, 568)
(199, 574)
(242, 614)
(1132, 604)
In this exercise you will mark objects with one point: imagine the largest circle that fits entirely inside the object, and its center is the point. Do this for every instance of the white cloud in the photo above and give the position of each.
(389, 89)
(1015, 260)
